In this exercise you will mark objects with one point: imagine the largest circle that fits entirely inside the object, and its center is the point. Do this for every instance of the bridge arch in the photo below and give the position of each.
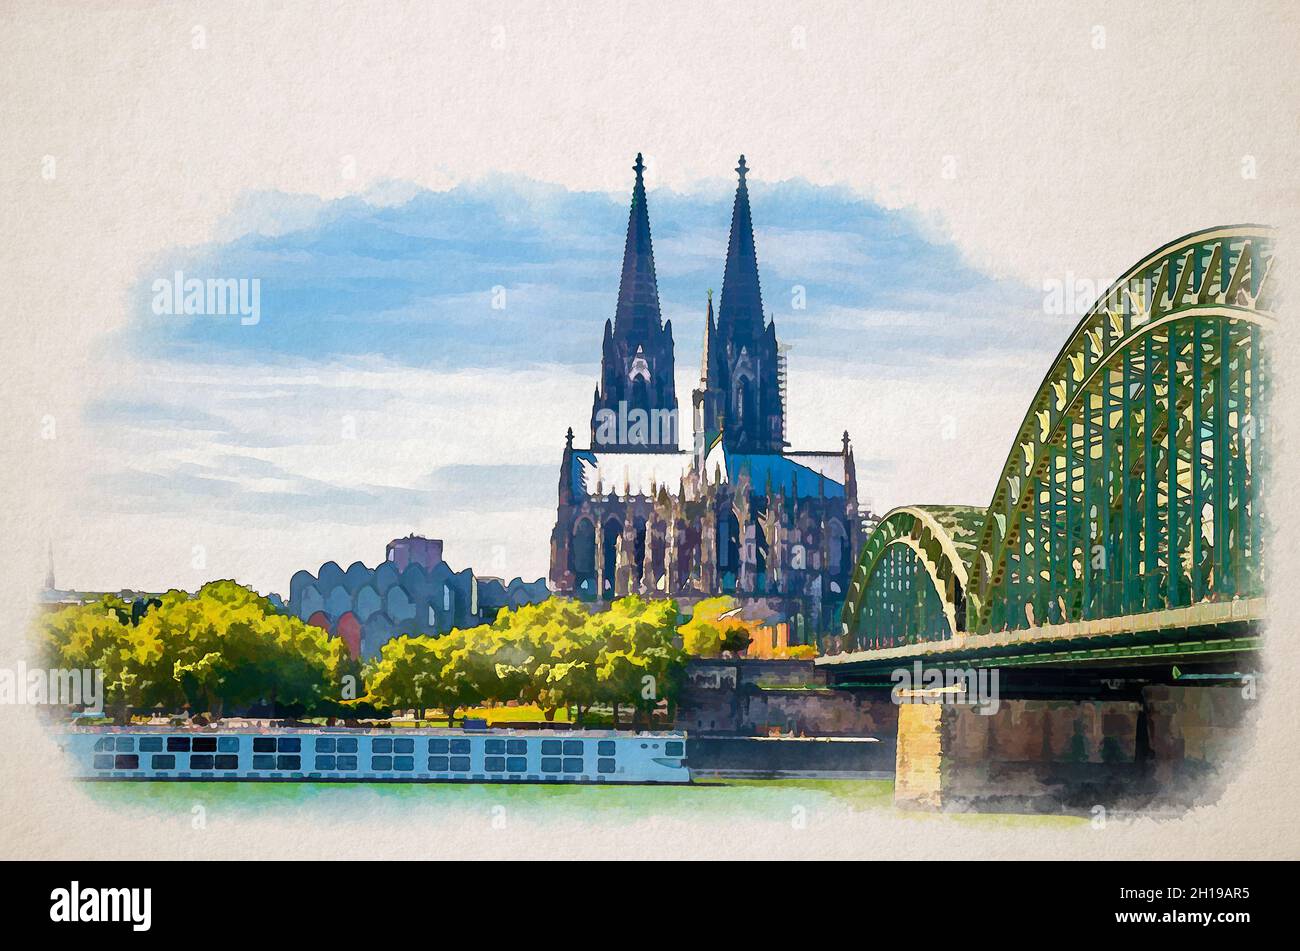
(910, 580)
(1133, 483)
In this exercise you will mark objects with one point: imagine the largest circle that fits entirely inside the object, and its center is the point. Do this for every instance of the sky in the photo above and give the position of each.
(922, 174)
(417, 357)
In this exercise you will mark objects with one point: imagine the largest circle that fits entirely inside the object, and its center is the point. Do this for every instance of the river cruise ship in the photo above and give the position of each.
(384, 755)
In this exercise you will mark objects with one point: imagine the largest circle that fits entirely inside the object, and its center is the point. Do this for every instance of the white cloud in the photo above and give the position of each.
(265, 462)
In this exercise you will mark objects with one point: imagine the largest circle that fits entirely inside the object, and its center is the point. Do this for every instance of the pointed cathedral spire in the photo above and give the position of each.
(638, 292)
(745, 372)
(740, 310)
(707, 356)
(635, 407)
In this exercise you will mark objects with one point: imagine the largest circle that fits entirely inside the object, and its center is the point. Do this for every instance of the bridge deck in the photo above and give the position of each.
(1213, 627)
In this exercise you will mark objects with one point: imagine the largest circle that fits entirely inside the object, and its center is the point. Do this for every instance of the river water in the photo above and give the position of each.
(432, 802)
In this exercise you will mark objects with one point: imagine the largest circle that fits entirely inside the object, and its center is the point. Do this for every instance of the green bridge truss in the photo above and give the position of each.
(1133, 484)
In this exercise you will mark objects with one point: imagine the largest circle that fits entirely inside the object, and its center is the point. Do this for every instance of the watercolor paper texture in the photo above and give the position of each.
(828, 430)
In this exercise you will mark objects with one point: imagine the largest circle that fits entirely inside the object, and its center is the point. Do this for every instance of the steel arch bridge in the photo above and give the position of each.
(1130, 499)
(911, 578)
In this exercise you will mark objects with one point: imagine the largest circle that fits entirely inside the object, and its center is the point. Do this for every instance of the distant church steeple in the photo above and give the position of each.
(635, 405)
(706, 398)
(741, 397)
(49, 570)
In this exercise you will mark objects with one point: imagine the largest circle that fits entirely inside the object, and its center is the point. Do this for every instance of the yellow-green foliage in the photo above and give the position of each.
(225, 645)
(708, 633)
(555, 654)
(795, 652)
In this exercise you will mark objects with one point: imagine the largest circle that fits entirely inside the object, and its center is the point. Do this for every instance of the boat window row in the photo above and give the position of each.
(385, 744)
(449, 764)
(401, 763)
(197, 761)
(172, 744)
(504, 764)
(119, 761)
(271, 753)
(196, 744)
(343, 762)
(565, 747)
(347, 744)
(287, 762)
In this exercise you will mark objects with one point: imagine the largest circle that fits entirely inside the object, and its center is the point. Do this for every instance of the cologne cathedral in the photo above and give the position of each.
(738, 513)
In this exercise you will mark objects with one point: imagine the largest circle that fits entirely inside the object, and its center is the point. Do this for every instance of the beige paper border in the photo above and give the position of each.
(153, 150)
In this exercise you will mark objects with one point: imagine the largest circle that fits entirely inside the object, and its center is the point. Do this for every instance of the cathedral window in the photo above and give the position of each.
(745, 410)
(640, 369)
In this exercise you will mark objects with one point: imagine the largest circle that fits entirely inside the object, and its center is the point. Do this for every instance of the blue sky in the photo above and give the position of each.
(382, 393)
(412, 282)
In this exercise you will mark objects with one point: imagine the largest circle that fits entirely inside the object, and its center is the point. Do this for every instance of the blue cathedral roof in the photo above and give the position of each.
(798, 474)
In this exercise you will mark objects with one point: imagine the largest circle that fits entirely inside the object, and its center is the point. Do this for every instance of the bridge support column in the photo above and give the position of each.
(1029, 755)
(1167, 746)
(918, 763)
(1193, 734)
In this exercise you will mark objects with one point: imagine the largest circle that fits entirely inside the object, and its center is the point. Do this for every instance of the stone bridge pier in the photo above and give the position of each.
(1149, 746)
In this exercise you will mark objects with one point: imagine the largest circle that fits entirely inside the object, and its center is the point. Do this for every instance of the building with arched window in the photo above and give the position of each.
(413, 591)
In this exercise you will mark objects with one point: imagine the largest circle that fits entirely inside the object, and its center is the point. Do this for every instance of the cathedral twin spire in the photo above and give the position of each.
(740, 311)
(740, 398)
(635, 405)
(638, 291)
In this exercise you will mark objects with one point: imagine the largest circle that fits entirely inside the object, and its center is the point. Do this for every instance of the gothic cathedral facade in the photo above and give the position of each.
(739, 512)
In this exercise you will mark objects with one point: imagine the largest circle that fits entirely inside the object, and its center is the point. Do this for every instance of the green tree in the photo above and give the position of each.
(228, 646)
(539, 646)
(638, 662)
(96, 636)
(419, 672)
(405, 674)
(571, 672)
(224, 645)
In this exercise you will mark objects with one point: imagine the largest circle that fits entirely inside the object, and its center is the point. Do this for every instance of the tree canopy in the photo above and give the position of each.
(716, 626)
(224, 646)
(556, 654)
